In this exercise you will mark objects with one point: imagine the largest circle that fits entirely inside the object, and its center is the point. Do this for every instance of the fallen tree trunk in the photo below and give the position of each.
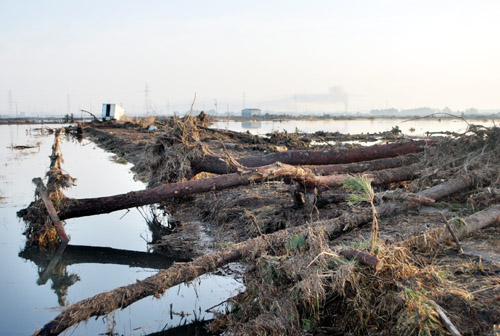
(215, 164)
(119, 298)
(359, 167)
(72, 208)
(461, 228)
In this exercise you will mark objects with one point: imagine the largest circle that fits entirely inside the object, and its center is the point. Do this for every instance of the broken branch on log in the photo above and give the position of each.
(455, 238)
(51, 210)
(462, 228)
(104, 303)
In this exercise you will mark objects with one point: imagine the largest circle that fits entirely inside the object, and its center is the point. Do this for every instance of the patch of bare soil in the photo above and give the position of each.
(306, 285)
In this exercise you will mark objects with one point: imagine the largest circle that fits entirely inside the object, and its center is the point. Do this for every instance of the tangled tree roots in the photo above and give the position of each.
(169, 158)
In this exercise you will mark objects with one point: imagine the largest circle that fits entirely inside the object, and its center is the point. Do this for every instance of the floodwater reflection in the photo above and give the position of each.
(53, 265)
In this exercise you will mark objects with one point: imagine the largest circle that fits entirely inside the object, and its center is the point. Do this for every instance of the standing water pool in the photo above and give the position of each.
(105, 251)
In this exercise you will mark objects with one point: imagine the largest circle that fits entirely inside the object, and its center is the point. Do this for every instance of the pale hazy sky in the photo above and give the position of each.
(320, 56)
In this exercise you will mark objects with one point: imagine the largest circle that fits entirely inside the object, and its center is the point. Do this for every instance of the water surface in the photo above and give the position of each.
(93, 262)
(356, 126)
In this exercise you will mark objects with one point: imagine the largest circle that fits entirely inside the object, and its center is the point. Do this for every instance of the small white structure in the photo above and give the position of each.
(112, 112)
(250, 112)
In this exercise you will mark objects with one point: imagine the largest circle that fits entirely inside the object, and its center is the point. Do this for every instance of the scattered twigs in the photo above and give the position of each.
(51, 210)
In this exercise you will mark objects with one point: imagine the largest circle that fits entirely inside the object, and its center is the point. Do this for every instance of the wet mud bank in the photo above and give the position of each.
(396, 238)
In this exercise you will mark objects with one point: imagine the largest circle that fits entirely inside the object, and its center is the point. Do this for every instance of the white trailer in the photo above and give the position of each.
(112, 112)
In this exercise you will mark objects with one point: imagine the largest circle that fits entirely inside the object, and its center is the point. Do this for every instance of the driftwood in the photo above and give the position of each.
(119, 298)
(91, 206)
(215, 164)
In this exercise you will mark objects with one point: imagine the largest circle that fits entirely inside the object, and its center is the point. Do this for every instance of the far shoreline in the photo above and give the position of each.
(267, 117)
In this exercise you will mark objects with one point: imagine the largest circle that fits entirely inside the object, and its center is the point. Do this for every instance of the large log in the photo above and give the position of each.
(215, 164)
(72, 208)
(359, 167)
(462, 228)
(119, 298)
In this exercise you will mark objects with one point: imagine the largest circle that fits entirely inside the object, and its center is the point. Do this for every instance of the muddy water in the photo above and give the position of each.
(357, 126)
(95, 260)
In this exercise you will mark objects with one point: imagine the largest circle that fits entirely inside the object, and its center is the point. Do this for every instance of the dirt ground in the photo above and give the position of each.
(307, 288)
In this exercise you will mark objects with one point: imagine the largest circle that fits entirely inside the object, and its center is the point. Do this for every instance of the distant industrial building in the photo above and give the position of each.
(112, 112)
(250, 112)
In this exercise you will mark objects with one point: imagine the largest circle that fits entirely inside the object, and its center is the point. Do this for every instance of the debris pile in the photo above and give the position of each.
(365, 240)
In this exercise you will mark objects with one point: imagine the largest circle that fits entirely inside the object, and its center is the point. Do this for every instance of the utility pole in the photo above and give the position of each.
(69, 104)
(147, 102)
(10, 102)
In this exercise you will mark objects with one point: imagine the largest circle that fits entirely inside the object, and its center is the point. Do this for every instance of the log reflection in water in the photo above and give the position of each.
(53, 265)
